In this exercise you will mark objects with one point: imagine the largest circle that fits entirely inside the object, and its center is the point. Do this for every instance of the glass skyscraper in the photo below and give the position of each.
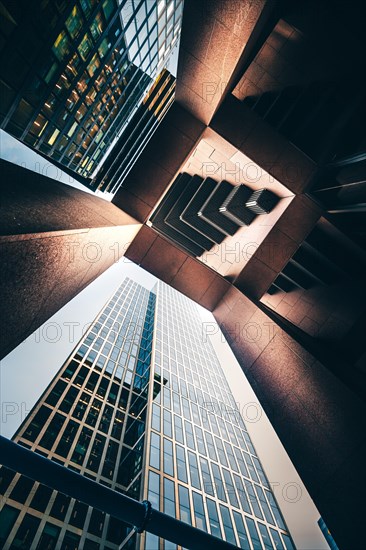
(73, 73)
(142, 406)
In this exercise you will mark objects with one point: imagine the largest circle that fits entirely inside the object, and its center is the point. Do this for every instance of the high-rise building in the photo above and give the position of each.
(136, 134)
(73, 73)
(142, 406)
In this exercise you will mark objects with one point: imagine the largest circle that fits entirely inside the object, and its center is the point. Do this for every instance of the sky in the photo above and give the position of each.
(26, 372)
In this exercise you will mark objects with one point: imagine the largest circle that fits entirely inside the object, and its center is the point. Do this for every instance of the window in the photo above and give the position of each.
(69, 399)
(241, 463)
(52, 431)
(81, 446)
(22, 489)
(253, 473)
(253, 499)
(193, 468)
(56, 393)
(154, 490)
(78, 515)
(200, 440)
(186, 411)
(94, 412)
(231, 457)
(102, 388)
(41, 498)
(199, 511)
(181, 464)
(26, 531)
(242, 494)
(81, 406)
(265, 536)
(155, 419)
(189, 435)
(71, 541)
(195, 413)
(206, 477)
(221, 452)
(60, 506)
(6, 477)
(168, 457)
(49, 537)
(110, 460)
(61, 46)
(106, 419)
(85, 47)
(213, 518)
(117, 425)
(178, 429)
(74, 22)
(70, 370)
(8, 517)
(167, 427)
(96, 523)
(265, 507)
(276, 539)
(230, 490)
(184, 509)
(275, 510)
(39, 420)
(240, 529)
(227, 523)
(96, 453)
(219, 486)
(210, 446)
(253, 534)
(169, 498)
(67, 438)
(260, 472)
(97, 27)
(155, 450)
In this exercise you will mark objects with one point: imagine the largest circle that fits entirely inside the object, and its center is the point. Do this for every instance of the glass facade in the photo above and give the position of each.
(203, 468)
(142, 406)
(73, 73)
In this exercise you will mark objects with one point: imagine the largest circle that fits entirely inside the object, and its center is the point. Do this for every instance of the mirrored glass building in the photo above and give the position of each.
(142, 406)
(74, 73)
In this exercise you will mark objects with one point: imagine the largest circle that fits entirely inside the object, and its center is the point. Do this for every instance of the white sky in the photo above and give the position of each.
(26, 372)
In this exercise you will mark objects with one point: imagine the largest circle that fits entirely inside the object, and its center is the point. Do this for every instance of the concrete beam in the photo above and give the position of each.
(214, 36)
(54, 241)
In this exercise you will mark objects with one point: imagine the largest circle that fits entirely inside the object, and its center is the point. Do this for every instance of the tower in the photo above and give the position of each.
(142, 406)
(74, 73)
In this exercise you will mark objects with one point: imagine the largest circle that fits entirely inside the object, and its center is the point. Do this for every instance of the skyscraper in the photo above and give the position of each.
(142, 406)
(73, 73)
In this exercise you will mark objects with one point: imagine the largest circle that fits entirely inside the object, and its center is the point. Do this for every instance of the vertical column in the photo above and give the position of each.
(320, 422)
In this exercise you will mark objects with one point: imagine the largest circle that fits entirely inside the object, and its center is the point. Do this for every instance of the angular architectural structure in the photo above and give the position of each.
(142, 406)
(270, 95)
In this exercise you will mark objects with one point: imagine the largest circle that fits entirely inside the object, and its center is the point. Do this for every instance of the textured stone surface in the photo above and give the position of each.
(32, 203)
(320, 421)
(54, 241)
(214, 36)
(40, 274)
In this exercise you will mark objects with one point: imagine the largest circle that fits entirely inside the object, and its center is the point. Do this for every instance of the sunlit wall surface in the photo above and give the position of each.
(143, 407)
(73, 73)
